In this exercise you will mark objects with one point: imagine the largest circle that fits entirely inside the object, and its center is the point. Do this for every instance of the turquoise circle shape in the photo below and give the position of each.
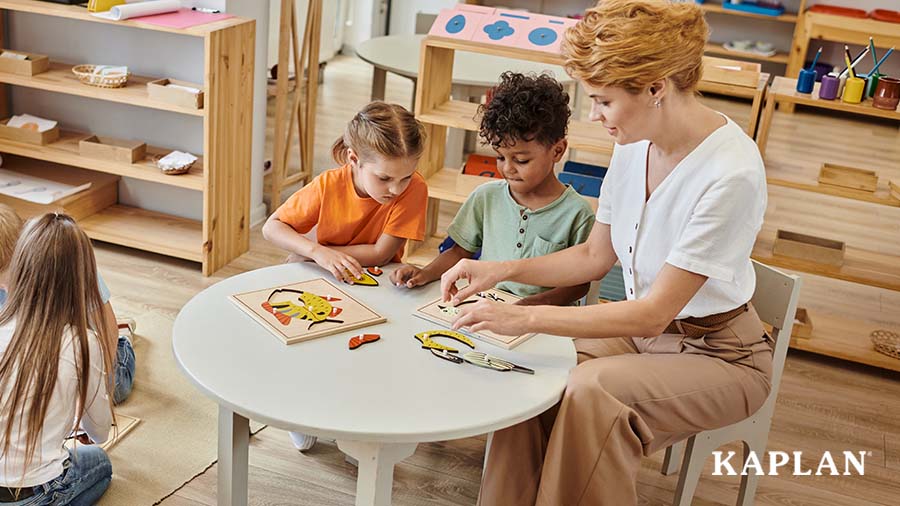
(542, 36)
(456, 24)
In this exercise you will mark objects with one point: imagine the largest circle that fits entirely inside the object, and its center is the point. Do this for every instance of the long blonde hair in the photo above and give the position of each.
(52, 291)
(631, 44)
(380, 128)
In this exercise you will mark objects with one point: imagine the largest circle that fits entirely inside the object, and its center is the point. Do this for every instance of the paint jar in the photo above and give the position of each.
(828, 90)
(853, 90)
(887, 94)
(806, 80)
(872, 84)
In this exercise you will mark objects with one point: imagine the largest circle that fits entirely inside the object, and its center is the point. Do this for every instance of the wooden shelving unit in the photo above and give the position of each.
(866, 221)
(719, 50)
(788, 18)
(221, 175)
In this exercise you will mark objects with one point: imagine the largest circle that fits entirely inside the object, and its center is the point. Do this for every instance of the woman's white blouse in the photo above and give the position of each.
(703, 218)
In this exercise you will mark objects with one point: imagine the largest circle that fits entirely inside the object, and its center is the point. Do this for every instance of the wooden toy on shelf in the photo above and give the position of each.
(22, 63)
(180, 93)
(28, 133)
(116, 150)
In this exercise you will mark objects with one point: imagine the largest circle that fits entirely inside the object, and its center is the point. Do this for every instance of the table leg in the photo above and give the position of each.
(375, 477)
(379, 76)
(234, 440)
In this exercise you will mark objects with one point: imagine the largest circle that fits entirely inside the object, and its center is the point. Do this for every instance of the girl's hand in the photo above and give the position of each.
(505, 319)
(343, 266)
(481, 275)
(407, 275)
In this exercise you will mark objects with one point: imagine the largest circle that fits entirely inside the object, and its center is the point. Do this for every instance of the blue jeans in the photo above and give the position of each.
(125, 365)
(86, 476)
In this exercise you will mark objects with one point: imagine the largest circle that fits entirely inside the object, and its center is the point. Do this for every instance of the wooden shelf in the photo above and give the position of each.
(147, 230)
(718, 9)
(784, 90)
(60, 79)
(845, 339)
(425, 252)
(718, 49)
(881, 196)
(860, 266)
(65, 151)
(81, 14)
(588, 136)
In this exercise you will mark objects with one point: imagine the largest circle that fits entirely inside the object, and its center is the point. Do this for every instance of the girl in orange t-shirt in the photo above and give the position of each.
(365, 210)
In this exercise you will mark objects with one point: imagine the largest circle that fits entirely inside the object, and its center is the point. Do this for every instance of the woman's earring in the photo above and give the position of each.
(657, 104)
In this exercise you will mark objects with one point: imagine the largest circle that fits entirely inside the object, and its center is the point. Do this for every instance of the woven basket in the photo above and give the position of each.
(85, 74)
(184, 169)
(886, 342)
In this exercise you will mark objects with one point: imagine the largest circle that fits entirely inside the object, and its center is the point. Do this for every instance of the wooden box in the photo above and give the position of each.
(158, 90)
(104, 190)
(809, 248)
(29, 136)
(848, 177)
(35, 64)
(802, 324)
(117, 150)
(895, 189)
(738, 73)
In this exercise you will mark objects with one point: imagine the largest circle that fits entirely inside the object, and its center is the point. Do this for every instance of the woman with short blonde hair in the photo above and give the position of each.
(679, 209)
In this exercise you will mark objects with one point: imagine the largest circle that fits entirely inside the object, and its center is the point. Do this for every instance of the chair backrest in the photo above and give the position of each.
(775, 299)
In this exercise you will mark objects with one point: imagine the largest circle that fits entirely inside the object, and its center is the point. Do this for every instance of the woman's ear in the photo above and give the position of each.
(656, 91)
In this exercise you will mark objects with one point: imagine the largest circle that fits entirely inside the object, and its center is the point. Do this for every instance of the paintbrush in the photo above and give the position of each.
(816, 59)
(872, 50)
(854, 61)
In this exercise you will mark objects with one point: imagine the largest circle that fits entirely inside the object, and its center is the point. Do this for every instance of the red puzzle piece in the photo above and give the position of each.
(357, 341)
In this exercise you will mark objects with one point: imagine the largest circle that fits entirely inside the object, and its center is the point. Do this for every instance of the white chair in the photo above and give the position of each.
(775, 299)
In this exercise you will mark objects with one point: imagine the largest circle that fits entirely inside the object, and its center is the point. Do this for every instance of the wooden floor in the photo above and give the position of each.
(824, 404)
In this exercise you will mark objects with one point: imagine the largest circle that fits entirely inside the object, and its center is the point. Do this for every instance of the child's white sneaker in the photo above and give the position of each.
(303, 442)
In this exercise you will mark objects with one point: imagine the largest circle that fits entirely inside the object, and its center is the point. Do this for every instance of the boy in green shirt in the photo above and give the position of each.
(530, 213)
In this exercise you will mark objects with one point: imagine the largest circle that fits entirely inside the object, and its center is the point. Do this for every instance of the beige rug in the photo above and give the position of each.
(176, 439)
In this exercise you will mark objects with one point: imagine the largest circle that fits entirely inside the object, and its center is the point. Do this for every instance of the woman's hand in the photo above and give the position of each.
(343, 266)
(409, 276)
(481, 275)
(505, 319)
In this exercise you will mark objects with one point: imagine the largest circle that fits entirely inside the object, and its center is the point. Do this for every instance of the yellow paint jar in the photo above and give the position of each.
(853, 90)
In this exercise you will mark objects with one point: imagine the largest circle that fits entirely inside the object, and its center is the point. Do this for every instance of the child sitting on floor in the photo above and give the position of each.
(365, 210)
(54, 360)
(530, 213)
(122, 330)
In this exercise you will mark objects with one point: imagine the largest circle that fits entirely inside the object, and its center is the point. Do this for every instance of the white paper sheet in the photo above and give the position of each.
(21, 120)
(34, 189)
(134, 10)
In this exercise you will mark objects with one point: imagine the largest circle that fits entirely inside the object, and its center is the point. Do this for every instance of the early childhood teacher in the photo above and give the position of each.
(680, 210)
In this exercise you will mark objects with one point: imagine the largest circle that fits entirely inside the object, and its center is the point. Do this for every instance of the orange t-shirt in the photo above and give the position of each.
(346, 219)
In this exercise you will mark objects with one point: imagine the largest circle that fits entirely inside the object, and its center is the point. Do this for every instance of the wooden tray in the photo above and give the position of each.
(809, 247)
(108, 148)
(725, 71)
(28, 136)
(35, 64)
(157, 90)
(848, 177)
(104, 190)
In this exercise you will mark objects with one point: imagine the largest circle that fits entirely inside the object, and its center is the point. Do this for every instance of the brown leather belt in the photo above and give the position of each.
(700, 326)
(15, 494)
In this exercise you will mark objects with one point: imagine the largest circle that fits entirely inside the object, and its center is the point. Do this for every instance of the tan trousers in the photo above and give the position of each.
(627, 398)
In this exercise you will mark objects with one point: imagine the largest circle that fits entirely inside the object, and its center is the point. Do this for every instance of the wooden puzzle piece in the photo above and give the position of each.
(313, 308)
(426, 338)
(375, 271)
(357, 341)
(364, 280)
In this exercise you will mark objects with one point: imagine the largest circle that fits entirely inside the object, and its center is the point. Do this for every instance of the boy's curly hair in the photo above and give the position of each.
(525, 107)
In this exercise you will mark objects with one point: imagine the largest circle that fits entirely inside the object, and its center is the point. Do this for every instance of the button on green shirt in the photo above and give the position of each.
(490, 220)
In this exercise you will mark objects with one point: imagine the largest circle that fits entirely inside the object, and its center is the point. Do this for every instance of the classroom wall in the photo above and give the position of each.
(146, 53)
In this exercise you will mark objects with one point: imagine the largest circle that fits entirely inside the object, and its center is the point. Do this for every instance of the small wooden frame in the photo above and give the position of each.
(159, 90)
(802, 324)
(33, 65)
(444, 314)
(738, 73)
(848, 177)
(29, 136)
(108, 148)
(103, 193)
(809, 248)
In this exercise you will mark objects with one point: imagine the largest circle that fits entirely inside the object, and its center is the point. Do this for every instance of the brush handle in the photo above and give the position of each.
(816, 59)
(883, 58)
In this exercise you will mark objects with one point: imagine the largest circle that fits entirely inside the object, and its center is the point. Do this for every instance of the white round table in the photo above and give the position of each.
(378, 401)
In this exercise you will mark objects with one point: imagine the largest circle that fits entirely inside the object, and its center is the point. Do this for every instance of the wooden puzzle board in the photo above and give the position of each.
(306, 310)
(444, 314)
(123, 425)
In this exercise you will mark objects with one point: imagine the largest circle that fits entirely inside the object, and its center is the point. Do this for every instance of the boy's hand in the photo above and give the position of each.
(409, 276)
(343, 266)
